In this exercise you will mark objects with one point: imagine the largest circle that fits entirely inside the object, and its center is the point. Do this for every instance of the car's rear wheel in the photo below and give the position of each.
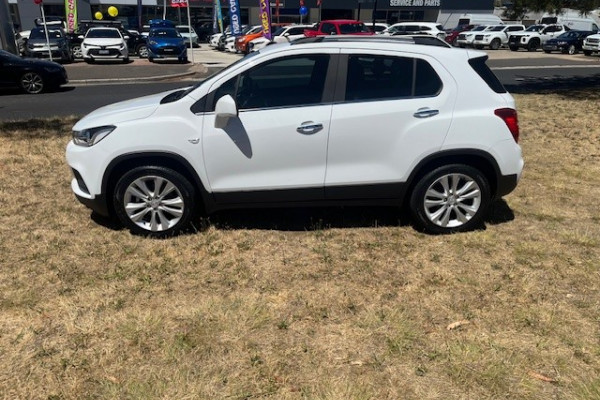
(32, 83)
(514, 48)
(587, 52)
(154, 201)
(452, 198)
(572, 49)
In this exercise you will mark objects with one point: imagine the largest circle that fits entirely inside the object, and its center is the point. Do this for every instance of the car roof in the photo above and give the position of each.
(110, 28)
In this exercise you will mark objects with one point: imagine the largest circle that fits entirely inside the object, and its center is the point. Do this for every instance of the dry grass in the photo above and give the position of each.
(306, 304)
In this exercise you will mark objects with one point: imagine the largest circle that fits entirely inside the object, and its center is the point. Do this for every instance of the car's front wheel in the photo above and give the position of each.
(571, 49)
(451, 198)
(495, 44)
(154, 201)
(32, 83)
(533, 45)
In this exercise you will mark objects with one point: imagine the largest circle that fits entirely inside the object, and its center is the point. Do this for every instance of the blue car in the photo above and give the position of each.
(166, 43)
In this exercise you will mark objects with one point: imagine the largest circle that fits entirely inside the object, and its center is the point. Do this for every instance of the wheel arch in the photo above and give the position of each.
(478, 159)
(127, 162)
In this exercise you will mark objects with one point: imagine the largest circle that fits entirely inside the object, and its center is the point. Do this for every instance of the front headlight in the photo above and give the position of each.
(91, 136)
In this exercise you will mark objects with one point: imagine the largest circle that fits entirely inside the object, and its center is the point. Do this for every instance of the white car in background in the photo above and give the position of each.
(465, 39)
(214, 39)
(104, 44)
(415, 28)
(188, 35)
(497, 36)
(281, 35)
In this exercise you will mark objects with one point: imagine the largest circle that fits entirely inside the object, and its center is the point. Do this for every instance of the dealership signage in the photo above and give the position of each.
(415, 3)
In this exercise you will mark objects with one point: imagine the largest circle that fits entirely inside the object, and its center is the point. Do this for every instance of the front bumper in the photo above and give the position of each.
(591, 47)
(104, 54)
(167, 52)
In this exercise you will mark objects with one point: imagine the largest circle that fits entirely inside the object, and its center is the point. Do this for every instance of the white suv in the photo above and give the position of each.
(416, 28)
(496, 36)
(104, 44)
(330, 120)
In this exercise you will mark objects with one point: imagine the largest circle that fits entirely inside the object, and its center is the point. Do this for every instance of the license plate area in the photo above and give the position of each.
(103, 52)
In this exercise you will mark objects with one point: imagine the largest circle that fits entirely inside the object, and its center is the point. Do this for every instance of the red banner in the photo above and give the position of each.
(179, 3)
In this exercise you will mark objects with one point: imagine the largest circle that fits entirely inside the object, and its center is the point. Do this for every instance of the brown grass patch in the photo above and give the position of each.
(336, 307)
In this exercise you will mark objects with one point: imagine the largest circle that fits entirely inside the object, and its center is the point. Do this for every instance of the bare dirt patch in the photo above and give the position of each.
(315, 304)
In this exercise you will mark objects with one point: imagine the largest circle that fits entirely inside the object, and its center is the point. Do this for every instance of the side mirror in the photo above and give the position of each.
(286, 34)
(225, 109)
(80, 37)
(126, 37)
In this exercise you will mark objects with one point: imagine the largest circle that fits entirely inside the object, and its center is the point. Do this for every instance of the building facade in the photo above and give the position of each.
(23, 12)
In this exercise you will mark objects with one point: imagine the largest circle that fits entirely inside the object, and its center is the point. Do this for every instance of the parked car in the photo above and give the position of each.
(204, 30)
(104, 44)
(340, 120)
(496, 37)
(241, 42)
(465, 39)
(281, 35)
(379, 27)
(338, 27)
(591, 44)
(188, 35)
(569, 42)
(416, 28)
(227, 35)
(37, 44)
(452, 34)
(30, 75)
(535, 36)
(166, 43)
(136, 43)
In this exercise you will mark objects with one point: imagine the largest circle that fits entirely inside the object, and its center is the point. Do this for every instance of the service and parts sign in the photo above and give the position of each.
(415, 3)
(265, 18)
(71, 14)
(234, 17)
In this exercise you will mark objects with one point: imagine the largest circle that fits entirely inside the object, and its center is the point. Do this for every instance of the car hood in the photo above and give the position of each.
(102, 42)
(36, 62)
(129, 110)
(43, 41)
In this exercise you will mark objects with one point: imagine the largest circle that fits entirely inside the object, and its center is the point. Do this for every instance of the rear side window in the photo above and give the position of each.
(479, 65)
(372, 77)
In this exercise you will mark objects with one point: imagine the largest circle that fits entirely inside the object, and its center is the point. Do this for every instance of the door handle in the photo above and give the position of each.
(425, 113)
(309, 128)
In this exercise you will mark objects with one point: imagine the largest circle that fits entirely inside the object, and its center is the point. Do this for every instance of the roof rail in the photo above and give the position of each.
(426, 40)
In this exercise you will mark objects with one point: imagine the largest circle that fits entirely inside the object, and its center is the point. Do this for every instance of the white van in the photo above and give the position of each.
(452, 20)
(573, 22)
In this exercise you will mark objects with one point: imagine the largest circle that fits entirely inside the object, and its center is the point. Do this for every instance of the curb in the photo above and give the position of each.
(121, 80)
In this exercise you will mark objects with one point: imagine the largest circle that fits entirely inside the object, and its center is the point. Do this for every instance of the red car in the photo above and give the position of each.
(339, 27)
(452, 34)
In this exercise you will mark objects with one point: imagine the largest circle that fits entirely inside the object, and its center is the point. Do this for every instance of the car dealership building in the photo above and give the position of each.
(24, 12)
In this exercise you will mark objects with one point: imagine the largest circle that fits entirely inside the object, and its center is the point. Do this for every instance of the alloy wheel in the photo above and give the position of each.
(32, 83)
(452, 200)
(153, 203)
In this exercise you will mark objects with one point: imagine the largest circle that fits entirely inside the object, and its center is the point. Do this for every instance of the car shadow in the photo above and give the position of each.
(303, 219)
(557, 84)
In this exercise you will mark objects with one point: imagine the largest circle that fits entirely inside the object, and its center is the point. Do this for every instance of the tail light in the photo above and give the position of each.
(509, 116)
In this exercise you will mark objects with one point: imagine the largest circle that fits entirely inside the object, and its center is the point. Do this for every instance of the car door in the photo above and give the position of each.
(9, 69)
(278, 141)
(390, 110)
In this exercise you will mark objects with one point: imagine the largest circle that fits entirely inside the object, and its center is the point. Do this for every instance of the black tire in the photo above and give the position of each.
(533, 45)
(151, 59)
(478, 46)
(448, 211)
(161, 201)
(32, 82)
(125, 60)
(514, 48)
(571, 50)
(495, 44)
(587, 52)
(547, 51)
(455, 42)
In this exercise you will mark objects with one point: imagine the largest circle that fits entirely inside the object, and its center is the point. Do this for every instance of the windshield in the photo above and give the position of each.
(353, 28)
(183, 29)
(164, 33)
(570, 34)
(479, 28)
(38, 33)
(279, 31)
(103, 33)
(535, 28)
(498, 28)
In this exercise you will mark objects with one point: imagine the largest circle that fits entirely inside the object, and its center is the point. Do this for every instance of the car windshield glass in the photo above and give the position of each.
(165, 33)
(497, 28)
(279, 31)
(534, 28)
(479, 28)
(103, 33)
(570, 34)
(353, 28)
(40, 34)
(183, 29)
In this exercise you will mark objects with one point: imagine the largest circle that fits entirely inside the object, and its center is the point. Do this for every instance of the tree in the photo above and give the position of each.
(516, 9)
